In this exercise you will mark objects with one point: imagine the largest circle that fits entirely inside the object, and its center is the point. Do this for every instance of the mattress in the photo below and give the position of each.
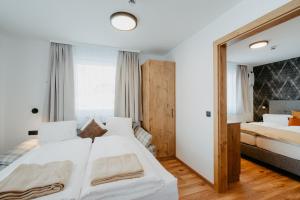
(285, 149)
(75, 150)
(248, 139)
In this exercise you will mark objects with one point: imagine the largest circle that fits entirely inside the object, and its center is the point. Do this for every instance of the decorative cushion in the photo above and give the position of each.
(92, 130)
(296, 114)
(152, 149)
(294, 121)
(86, 124)
(143, 136)
(89, 121)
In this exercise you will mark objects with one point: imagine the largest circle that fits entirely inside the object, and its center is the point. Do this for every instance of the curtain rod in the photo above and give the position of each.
(95, 45)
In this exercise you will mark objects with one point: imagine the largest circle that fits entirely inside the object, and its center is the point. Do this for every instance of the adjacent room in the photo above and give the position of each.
(149, 100)
(263, 101)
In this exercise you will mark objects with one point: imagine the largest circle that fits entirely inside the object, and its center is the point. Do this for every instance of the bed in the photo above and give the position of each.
(21, 149)
(273, 142)
(75, 150)
(156, 183)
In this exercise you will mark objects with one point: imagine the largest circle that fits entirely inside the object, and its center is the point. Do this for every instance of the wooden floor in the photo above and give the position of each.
(257, 183)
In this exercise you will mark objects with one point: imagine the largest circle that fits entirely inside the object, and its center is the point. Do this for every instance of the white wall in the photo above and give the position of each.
(3, 66)
(194, 83)
(25, 87)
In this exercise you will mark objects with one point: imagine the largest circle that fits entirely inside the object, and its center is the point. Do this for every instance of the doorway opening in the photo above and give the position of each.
(221, 143)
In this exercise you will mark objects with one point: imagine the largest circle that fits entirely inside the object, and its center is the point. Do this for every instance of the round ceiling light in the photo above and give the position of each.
(123, 21)
(259, 44)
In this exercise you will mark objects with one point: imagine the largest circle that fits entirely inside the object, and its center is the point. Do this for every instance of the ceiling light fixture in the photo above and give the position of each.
(259, 44)
(123, 21)
(131, 1)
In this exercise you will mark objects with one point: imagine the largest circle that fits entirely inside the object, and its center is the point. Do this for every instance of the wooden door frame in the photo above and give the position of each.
(278, 16)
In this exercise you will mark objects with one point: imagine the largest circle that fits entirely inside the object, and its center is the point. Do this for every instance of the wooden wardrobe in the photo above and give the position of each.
(158, 100)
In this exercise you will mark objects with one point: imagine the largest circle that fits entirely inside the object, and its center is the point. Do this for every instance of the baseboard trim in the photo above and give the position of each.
(207, 181)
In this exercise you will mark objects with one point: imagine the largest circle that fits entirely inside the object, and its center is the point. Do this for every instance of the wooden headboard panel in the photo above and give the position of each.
(283, 106)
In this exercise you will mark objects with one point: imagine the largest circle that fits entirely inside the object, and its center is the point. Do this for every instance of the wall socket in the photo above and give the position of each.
(33, 132)
(208, 114)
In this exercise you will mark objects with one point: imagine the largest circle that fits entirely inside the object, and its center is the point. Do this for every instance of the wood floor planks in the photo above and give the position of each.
(256, 182)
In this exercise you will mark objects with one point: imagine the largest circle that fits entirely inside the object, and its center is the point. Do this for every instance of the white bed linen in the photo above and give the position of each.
(154, 180)
(285, 149)
(170, 190)
(75, 150)
(248, 139)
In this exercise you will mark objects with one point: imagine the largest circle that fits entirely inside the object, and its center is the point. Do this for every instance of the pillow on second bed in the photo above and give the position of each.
(120, 126)
(279, 119)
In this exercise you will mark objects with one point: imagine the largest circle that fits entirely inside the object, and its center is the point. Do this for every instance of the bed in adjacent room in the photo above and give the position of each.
(60, 144)
(274, 141)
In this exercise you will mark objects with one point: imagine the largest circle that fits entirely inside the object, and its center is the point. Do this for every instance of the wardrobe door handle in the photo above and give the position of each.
(172, 113)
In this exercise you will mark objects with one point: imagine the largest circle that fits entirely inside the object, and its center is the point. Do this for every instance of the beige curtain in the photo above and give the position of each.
(243, 96)
(128, 86)
(61, 97)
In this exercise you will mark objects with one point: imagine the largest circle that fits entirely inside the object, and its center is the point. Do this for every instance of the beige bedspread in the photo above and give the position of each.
(110, 169)
(273, 133)
(29, 181)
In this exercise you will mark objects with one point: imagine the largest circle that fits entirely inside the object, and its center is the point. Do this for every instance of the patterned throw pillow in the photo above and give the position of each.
(92, 130)
(152, 150)
(143, 136)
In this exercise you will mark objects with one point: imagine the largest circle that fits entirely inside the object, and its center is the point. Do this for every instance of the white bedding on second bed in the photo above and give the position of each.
(146, 187)
(279, 147)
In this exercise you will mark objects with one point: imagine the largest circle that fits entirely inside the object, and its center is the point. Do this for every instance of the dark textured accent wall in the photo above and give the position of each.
(275, 81)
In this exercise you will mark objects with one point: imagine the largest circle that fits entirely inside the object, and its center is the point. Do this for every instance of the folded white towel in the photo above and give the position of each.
(127, 189)
(30, 181)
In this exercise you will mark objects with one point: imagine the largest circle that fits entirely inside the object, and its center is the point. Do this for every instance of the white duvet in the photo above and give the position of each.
(136, 188)
(75, 150)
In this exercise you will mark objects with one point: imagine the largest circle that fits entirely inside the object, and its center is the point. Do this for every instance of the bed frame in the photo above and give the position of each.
(282, 162)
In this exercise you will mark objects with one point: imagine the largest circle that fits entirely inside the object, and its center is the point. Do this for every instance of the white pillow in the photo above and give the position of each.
(57, 131)
(279, 119)
(120, 126)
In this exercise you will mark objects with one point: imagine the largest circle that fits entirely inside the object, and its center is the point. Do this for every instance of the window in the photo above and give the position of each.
(239, 89)
(231, 89)
(95, 71)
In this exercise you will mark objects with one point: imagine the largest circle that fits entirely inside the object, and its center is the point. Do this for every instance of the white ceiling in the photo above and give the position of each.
(286, 38)
(162, 23)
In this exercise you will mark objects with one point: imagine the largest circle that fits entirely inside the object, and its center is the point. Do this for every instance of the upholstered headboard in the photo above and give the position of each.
(283, 106)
